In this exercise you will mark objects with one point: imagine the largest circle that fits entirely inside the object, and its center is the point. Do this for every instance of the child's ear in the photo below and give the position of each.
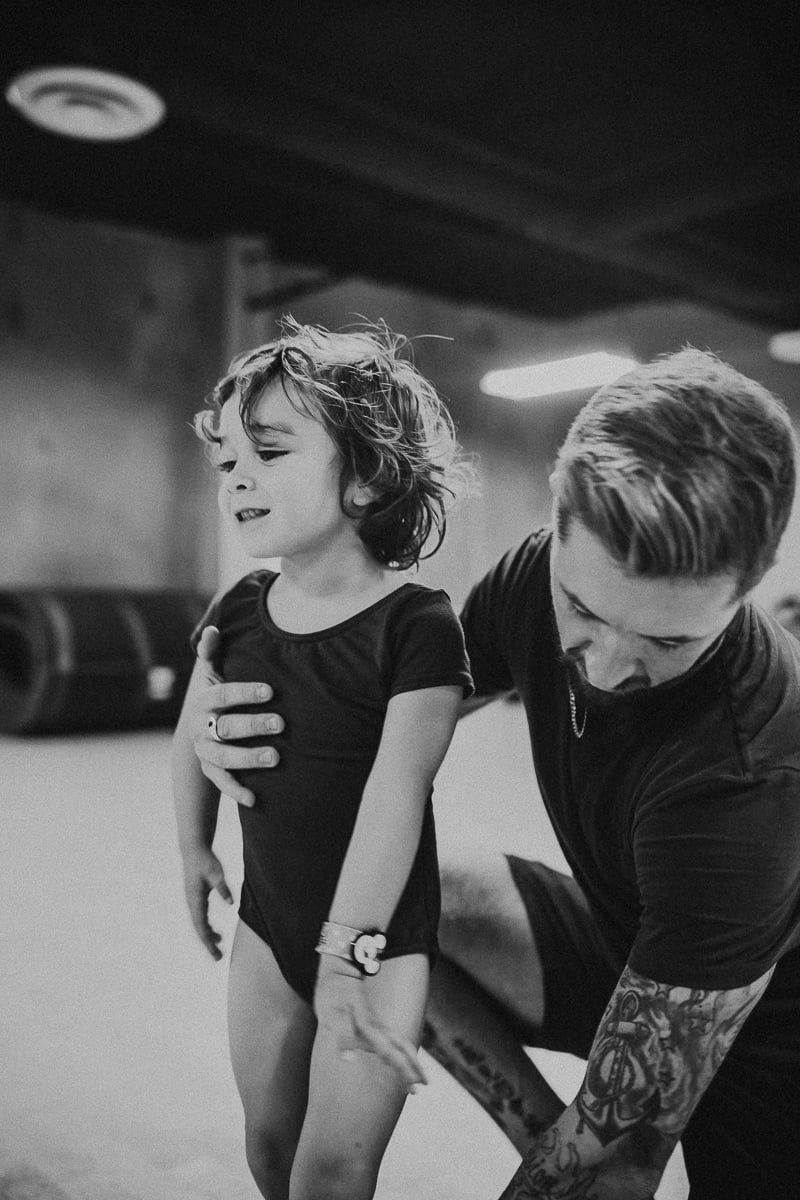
(361, 494)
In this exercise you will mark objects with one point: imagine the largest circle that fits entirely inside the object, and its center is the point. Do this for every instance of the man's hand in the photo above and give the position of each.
(216, 728)
(203, 874)
(343, 1010)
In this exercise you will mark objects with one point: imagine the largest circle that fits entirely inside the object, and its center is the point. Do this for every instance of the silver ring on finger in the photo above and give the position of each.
(212, 729)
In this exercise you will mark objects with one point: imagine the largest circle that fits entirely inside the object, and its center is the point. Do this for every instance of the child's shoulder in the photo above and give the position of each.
(241, 598)
(249, 585)
(425, 643)
(419, 611)
(419, 598)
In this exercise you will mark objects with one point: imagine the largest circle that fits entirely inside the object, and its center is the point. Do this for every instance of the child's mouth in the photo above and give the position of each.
(251, 514)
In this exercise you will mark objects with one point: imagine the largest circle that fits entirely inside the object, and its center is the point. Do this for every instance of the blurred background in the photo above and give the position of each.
(506, 183)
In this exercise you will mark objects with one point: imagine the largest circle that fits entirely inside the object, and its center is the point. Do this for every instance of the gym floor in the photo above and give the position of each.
(115, 1074)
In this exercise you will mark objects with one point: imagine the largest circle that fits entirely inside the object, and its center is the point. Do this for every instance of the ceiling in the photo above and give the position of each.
(553, 159)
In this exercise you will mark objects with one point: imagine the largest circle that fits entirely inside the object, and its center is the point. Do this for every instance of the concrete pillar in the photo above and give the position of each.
(247, 271)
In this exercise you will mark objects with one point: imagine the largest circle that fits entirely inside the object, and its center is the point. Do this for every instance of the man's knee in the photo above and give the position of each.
(479, 899)
(485, 930)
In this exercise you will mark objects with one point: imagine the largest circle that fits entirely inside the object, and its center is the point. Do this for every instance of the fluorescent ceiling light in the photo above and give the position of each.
(785, 347)
(81, 102)
(562, 375)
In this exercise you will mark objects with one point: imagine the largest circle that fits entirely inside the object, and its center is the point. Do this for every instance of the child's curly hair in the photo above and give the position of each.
(393, 433)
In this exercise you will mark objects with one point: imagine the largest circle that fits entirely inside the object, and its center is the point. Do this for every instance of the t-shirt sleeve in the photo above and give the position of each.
(720, 891)
(427, 647)
(227, 603)
(501, 613)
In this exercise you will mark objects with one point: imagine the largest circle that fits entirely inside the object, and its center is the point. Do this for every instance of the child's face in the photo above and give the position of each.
(283, 494)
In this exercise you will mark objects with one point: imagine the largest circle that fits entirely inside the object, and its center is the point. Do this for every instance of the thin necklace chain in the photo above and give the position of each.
(572, 707)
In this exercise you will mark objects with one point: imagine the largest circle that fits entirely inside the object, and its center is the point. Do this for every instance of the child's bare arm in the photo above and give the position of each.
(196, 803)
(417, 731)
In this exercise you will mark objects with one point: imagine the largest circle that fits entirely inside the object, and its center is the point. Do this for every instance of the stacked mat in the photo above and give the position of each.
(83, 660)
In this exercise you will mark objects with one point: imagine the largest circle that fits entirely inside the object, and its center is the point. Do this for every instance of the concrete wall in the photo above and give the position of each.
(109, 339)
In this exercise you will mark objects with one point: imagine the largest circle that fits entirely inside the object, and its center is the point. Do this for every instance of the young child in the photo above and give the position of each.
(338, 457)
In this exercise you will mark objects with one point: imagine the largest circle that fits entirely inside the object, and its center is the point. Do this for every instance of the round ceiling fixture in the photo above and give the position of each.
(785, 347)
(81, 102)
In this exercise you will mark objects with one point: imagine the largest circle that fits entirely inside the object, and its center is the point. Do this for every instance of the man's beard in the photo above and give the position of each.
(633, 697)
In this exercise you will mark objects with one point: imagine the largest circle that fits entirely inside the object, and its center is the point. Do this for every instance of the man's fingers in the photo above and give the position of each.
(231, 757)
(207, 650)
(208, 645)
(227, 695)
(222, 754)
(234, 726)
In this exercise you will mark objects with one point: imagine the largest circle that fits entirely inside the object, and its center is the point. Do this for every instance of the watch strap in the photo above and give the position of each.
(358, 946)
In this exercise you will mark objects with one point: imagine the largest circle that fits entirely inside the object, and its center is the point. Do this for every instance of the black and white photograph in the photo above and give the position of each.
(399, 600)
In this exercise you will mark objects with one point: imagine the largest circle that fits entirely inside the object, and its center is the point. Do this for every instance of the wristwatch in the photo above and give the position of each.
(358, 946)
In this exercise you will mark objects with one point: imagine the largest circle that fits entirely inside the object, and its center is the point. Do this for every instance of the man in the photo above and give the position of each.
(664, 714)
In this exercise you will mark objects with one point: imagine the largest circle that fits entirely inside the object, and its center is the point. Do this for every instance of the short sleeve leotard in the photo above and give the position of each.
(332, 688)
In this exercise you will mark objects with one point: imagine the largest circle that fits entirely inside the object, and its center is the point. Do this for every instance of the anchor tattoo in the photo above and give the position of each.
(618, 1095)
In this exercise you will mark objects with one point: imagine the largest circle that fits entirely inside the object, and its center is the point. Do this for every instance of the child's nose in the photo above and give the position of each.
(239, 482)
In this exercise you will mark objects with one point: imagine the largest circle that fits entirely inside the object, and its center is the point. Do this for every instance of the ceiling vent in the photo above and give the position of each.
(81, 102)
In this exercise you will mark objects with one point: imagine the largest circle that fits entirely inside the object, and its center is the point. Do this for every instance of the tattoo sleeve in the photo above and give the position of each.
(656, 1050)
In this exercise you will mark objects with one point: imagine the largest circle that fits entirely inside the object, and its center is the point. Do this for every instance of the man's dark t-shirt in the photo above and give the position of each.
(678, 810)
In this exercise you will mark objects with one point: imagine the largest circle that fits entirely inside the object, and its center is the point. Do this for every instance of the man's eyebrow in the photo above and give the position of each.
(678, 640)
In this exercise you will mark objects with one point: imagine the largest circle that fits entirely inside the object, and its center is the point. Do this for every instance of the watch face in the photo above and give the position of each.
(366, 949)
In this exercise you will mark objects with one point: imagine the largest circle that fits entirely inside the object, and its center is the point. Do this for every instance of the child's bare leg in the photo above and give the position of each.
(271, 1032)
(354, 1103)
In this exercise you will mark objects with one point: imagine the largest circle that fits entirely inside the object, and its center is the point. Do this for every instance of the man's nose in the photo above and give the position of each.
(610, 665)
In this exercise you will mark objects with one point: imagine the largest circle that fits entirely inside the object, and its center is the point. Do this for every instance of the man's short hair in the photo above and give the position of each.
(682, 468)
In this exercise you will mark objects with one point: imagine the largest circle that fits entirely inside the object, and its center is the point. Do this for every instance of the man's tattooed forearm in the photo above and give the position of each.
(553, 1172)
(655, 1052)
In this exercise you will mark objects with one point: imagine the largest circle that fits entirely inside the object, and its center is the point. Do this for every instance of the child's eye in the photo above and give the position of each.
(664, 644)
(225, 466)
(267, 455)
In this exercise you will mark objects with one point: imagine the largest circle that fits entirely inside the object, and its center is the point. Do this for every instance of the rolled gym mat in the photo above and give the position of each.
(85, 659)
